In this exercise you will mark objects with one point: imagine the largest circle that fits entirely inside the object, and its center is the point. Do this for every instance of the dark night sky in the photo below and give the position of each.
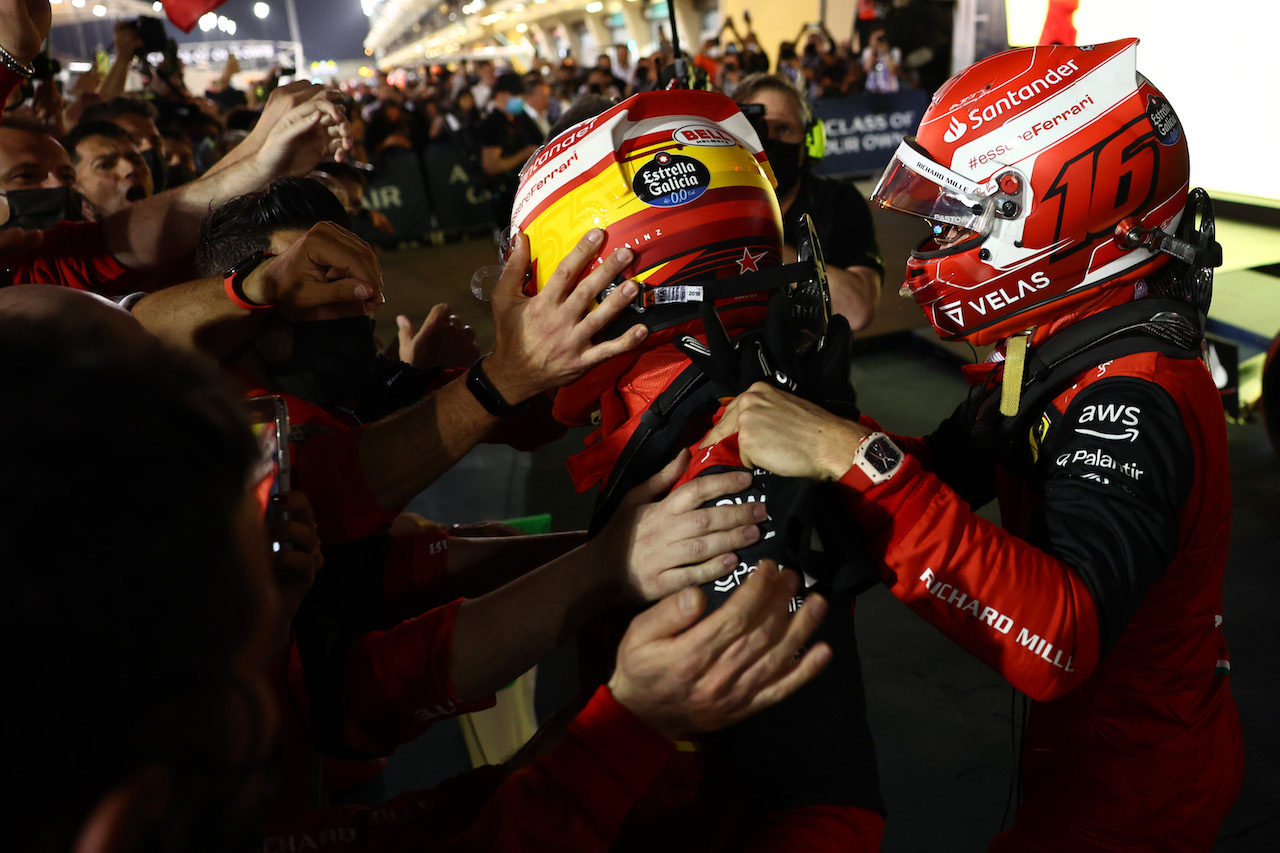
(331, 29)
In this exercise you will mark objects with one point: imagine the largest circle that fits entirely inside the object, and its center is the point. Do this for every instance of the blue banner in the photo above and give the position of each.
(863, 131)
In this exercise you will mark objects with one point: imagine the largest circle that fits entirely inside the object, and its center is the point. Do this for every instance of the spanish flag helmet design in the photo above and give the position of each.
(677, 176)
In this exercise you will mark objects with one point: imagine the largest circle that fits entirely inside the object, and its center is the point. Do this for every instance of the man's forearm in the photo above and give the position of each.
(501, 635)
(166, 227)
(197, 315)
(493, 163)
(855, 293)
(112, 85)
(403, 454)
(479, 565)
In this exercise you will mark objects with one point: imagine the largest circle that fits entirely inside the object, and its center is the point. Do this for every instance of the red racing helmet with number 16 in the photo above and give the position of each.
(1031, 166)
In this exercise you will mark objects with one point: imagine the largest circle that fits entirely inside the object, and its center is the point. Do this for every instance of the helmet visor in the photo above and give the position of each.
(916, 185)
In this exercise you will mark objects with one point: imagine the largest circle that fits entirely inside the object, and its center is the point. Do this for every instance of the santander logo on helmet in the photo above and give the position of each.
(1026, 163)
(956, 130)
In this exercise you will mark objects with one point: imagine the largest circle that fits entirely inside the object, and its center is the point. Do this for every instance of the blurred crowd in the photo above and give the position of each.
(127, 145)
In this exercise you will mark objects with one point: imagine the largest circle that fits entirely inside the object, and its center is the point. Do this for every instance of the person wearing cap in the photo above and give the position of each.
(503, 147)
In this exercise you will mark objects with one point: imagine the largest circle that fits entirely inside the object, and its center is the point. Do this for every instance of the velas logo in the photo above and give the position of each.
(669, 180)
(956, 130)
(953, 312)
(704, 136)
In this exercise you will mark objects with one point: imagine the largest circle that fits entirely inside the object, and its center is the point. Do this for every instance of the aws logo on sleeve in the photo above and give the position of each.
(1112, 421)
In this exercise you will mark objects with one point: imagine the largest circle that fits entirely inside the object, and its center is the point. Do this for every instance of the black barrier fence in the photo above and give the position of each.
(863, 131)
(428, 196)
(462, 202)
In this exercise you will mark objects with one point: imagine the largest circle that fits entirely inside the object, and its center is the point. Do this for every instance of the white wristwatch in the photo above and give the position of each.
(877, 457)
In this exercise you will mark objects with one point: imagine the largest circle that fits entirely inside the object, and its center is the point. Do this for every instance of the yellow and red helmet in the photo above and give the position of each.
(677, 176)
(1035, 167)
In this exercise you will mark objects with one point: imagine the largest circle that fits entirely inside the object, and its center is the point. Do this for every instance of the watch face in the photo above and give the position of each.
(883, 455)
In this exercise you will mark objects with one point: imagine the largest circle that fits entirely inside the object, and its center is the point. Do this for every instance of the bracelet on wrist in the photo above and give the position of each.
(10, 63)
(233, 281)
(488, 395)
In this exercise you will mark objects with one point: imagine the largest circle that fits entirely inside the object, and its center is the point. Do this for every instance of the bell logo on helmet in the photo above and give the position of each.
(669, 180)
(956, 130)
(704, 136)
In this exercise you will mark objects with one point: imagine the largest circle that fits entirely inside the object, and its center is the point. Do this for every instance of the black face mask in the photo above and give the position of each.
(43, 208)
(784, 157)
(331, 360)
(156, 167)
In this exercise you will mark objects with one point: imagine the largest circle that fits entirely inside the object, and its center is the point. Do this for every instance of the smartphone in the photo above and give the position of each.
(269, 420)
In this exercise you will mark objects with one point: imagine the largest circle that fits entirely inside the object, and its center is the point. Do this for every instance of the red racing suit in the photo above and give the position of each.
(800, 775)
(1101, 598)
(572, 798)
(355, 691)
(368, 668)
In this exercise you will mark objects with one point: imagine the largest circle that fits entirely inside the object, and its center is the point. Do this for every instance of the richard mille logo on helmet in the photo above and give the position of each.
(704, 136)
(669, 180)
(956, 130)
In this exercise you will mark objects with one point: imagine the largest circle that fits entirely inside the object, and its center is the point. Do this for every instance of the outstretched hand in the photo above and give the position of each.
(543, 342)
(667, 545)
(128, 39)
(327, 264)
(681, 675)
(303, 136)
(442, 341)
(24, 25)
